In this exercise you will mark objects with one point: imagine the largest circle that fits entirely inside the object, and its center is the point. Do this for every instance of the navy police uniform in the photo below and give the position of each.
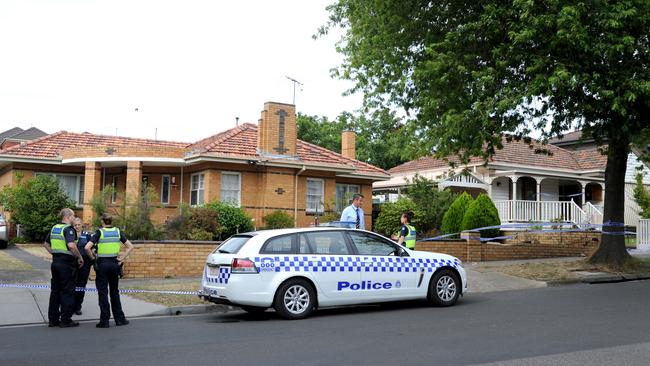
(64, 274)
(84, 271)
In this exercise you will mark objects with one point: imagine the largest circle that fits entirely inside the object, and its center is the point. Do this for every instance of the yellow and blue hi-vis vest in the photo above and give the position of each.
(409, 240)
(109, 242)
(57, 239)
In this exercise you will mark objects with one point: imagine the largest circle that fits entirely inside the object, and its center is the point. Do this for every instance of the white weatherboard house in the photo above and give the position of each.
(565, 184)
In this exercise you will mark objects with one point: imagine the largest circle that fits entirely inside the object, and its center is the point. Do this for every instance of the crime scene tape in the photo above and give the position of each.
(93, 289)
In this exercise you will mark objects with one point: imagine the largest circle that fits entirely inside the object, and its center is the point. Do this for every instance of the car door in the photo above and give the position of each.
(385, 274)
(334, 266)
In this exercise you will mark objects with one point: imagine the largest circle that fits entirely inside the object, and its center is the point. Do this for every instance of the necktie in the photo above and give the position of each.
(358, 218)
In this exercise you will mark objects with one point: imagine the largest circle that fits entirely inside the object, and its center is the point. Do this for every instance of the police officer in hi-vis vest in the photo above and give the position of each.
(407, 233)
(61, 242)
(109, 240)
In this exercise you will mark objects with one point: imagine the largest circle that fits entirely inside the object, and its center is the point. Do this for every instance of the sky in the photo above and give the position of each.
(175, 70)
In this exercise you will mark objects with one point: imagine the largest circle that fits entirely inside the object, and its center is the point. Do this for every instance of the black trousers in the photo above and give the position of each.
(64, 276)
(82, 280)
(108, 272)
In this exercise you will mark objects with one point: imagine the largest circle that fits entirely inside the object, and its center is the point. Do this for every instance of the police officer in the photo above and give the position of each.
(61, 243)
(109, 240)
(407, 233)
(83, 237)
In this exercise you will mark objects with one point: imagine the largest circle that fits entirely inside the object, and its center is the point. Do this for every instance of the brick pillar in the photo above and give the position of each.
(133, 181)
(348, 144)
(474, 252)
(212, 185)
(92, 185)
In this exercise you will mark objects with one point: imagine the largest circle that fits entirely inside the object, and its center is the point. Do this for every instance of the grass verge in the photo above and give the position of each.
(36, 250)
(166, 285)
(9, 263)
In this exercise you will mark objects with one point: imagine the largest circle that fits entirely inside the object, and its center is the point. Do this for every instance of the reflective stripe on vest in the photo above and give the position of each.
(57, 239)
(109, 242)
(409, 240)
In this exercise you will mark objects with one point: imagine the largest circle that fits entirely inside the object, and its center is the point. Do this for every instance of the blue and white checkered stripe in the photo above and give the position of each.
(224, 275)
(350, 264)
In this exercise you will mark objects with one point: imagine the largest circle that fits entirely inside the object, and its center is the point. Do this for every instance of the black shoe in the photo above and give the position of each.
(53, 324)
(102, 325)
(121, 322)
(69, 324)
(78, 312)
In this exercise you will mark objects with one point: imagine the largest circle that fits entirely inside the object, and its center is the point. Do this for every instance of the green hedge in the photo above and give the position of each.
(388, 222)
(278, 220)
(481, 213)
(453, 218)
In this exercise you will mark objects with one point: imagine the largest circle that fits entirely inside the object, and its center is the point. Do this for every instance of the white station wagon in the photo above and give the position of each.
(296, 271)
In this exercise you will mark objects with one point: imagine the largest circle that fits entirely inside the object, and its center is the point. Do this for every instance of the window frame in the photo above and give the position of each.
(78, 184)
(343, 200)
(114, 194)
(200, 188)
(162, 189)
(321, 207)
(231, 173)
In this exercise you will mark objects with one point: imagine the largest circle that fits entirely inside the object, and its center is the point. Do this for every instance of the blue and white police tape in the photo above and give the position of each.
(93, 289)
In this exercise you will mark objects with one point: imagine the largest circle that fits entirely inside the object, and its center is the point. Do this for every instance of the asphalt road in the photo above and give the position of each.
(606, 324)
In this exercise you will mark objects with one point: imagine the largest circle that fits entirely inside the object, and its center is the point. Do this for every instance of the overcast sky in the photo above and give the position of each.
(189, 67)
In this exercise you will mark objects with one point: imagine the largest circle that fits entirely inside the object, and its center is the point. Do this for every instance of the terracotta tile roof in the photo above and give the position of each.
(242, 141)
(519, 152)
(49, 146)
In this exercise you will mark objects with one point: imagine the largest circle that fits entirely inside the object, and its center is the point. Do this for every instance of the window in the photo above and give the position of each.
(328, 242)
(165, 189)
(315, 196)
(280, 245)
(230, 188)
(232, 245)
(305, 248)
(371, 245)
(197, 190)
(72, 185)
(344, 194)
(114, 195)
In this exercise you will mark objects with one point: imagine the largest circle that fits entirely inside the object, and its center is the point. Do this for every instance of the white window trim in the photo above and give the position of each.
(347, 190)
(78, 184)
(114, 195)
(169, 189)
(239, 187)
(321, 208)
(198, 189)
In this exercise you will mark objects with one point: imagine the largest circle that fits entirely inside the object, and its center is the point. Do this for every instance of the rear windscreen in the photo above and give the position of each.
(232, 245)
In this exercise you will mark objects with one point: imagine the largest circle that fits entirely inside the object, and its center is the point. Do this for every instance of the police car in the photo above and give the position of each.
(296, 271)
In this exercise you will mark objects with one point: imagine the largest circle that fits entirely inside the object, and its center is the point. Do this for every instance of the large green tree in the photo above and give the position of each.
(474, 73)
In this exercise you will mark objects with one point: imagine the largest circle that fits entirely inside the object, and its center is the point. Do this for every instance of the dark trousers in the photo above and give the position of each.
(64, 276)
(108, 271)
(82, 280)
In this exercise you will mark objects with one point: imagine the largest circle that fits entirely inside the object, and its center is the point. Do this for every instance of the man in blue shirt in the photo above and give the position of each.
(352, 216)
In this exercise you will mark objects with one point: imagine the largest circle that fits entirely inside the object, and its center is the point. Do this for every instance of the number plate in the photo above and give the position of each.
(213, 271)
(209, 291)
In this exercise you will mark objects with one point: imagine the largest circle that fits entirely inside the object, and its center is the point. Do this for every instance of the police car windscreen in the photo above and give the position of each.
(233, 244)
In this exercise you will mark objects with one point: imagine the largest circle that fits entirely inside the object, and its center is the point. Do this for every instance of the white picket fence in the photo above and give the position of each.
(542, 211)
(643, 235)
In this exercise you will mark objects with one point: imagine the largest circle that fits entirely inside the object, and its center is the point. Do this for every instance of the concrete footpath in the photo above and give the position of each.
(20, 306)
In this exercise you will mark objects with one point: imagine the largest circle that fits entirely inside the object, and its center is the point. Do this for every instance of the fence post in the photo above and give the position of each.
(473, 239)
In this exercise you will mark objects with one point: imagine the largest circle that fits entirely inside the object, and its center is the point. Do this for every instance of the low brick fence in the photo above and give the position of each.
(522, 245)
(160, 259)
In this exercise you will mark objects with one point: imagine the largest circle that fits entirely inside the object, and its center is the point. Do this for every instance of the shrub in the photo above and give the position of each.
(136, 220)
(35, 204)
(431, 201)
(453, 218)
(99, 204)
(232, 220)
(388, 222)
(19, 240)
(278, 220)
(481, 213)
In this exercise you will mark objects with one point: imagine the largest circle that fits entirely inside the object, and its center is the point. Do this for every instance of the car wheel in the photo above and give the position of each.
(253, 309)
(295, 299)
(3, 244)
(444, 288)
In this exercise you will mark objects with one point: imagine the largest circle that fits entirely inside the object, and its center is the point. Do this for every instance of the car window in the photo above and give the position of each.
(328, 242)
(232, 245)
(279, 245)
(371, 245)
(304, 246)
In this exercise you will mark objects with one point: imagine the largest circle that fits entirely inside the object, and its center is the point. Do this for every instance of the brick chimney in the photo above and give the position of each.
(276, 132)
(348, 144)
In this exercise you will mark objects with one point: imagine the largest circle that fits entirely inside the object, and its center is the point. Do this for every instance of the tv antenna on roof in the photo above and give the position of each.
(294, 81)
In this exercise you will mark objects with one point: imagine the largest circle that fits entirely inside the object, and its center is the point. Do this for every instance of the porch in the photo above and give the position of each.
(548, 211)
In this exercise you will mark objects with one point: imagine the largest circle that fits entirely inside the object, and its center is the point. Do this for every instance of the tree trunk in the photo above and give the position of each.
(612, 251)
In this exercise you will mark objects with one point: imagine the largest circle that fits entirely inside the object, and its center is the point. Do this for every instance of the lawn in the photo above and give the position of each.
(166, 285)
(9, 263)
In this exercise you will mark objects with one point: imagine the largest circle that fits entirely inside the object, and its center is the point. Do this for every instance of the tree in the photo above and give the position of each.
(453, 217)
(320, 131)
(388, 222)
(482, 213)
(642, 197)
(432, 202)
(35, 204)
(473, 74)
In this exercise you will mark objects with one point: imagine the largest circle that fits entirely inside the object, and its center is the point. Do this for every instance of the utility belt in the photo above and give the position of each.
(62, 257)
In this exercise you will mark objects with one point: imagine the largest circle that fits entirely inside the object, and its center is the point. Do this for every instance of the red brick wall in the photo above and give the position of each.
(167, 259)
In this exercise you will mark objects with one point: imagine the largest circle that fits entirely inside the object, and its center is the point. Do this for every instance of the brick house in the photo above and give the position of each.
(261, 168)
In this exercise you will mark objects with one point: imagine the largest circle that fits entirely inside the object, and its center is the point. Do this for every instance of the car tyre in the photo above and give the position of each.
(444, 288)
(295, 299)
(255, 310)
(3, 244)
